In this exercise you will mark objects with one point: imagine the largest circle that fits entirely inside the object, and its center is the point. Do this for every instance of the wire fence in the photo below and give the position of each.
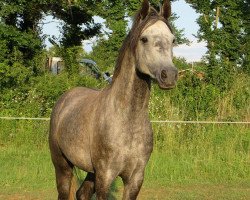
(25, 118)
(153, 121)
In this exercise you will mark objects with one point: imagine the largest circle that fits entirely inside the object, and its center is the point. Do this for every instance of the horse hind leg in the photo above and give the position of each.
(66, 184)
(87, 188)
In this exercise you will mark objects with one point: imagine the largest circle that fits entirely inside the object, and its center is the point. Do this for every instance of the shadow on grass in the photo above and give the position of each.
(112, 192)
(80, 175)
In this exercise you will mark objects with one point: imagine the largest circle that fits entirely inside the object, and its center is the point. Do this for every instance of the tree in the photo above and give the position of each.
(20, 42)
(246, 41)
(23, 17)
(19, 30)
(222, 27)
(105, 51)
(78, 20)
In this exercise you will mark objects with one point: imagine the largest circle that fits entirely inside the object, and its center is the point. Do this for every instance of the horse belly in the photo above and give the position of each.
(80, 158)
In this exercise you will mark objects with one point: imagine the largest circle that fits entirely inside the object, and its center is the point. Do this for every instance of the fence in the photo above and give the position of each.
(153, 121)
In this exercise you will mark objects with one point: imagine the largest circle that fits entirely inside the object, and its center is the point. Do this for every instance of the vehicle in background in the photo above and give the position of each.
(87, 67)
(90, 67)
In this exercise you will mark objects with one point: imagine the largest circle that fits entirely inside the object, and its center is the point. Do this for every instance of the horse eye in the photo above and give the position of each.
(174, 41)
(144, 39)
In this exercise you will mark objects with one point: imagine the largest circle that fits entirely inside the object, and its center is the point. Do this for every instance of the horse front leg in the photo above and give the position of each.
(132, 185)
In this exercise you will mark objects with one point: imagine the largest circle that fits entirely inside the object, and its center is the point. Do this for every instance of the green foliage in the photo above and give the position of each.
(246, 39)
(25, 94)
(15, 42)
(13, 76)
(196, 99)
(79, 24)
(71, 57)
(106, 50)
(20, 44)
(39, 98)
(223, 26)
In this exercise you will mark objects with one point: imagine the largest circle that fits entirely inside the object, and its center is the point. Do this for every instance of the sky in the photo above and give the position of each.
(187, 21)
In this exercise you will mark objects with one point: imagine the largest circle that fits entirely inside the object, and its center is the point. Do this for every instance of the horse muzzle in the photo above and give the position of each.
(167, 77)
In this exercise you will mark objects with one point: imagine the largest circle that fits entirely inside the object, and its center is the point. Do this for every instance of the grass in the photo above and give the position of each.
(188, 162)
(203, 153)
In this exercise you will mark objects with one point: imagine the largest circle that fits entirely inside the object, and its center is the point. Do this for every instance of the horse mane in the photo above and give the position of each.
(134, 34)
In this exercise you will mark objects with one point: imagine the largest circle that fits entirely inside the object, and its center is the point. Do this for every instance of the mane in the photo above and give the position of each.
(134, 34)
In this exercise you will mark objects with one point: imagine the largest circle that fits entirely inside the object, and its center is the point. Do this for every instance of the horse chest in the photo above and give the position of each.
(132, 139)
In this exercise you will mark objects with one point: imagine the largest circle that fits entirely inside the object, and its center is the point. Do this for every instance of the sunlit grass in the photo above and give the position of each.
(201, 153)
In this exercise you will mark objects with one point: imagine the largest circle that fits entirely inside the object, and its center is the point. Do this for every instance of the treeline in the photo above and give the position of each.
(27, 89)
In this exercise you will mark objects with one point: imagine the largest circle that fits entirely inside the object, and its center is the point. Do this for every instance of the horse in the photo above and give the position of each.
(107, 133)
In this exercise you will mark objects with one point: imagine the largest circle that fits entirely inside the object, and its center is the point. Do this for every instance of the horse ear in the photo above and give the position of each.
(144, 9)
(166, 9)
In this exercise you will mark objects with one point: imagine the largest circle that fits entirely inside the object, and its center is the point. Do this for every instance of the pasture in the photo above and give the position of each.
(189, 161)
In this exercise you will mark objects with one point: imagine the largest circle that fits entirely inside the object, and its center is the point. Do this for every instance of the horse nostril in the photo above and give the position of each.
(164, 74)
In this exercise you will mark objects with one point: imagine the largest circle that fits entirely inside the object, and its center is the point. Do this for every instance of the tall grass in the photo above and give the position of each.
(200, 154)
(25, 161)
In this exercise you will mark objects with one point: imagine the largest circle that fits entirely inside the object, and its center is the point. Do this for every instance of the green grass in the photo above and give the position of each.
(24, 155)
(188, 162)
(201, 153)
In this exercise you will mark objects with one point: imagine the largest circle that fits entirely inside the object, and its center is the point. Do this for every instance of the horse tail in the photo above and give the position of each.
(73, 188)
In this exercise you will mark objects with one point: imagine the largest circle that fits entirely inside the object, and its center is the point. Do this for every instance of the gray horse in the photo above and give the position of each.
(107, 132)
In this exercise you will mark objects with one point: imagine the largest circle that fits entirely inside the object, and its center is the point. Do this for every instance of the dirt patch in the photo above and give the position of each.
(14, 197)
(34, 195)
(195, 192)
(190, 192)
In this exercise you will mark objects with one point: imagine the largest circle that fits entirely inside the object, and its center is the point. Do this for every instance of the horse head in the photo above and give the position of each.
(154, 45)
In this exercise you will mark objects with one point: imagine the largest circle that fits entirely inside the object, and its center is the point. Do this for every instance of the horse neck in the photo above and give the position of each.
(130, 88)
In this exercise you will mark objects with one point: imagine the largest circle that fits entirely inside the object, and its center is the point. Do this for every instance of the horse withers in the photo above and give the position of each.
(107, 132)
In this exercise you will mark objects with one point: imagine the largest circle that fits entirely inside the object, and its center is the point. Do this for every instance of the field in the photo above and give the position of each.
(189, 162)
